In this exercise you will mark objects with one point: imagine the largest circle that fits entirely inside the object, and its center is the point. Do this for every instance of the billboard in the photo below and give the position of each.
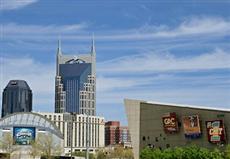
(170, 123)
(216, 131)
(23, 135)
(191, 126)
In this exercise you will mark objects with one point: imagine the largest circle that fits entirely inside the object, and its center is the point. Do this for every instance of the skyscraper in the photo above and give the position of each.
(17, 97)
(75, 83)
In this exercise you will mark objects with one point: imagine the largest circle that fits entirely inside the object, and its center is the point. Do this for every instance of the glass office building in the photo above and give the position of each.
(75, 84)
(17, 97)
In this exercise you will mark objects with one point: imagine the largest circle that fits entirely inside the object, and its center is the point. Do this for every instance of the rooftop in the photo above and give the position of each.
(188, 106)
(18, 83)
(183, 105)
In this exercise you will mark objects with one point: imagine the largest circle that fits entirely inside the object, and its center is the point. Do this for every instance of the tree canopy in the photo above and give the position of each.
(188, 152)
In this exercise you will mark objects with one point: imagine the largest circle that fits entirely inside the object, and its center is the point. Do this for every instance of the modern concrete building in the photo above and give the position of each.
(16, 97)
(24, 128)
(163, 125)
(74, 129)
(75, 84)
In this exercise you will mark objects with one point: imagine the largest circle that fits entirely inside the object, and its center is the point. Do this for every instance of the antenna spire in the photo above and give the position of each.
(93, 50)
(59, 46)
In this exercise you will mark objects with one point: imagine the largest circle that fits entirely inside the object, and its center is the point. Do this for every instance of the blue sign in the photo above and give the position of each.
(23, 135)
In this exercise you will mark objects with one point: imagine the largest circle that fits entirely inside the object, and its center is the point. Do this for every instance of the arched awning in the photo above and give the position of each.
(29, 119)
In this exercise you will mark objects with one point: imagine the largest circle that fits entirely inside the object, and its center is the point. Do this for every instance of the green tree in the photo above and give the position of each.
(100, 155)
(35, 149)
(227, 152)
(120, 152)
(7, 144)
(47, 146)
(128, 153)
(189, 152)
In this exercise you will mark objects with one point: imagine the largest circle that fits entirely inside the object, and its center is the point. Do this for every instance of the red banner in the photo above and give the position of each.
(216, 131)
(170, 123)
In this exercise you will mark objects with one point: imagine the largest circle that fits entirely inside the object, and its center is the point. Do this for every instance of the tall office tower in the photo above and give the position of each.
(17, 97)
(75, 83)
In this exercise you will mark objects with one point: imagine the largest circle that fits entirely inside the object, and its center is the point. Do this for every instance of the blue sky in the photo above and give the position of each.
(153, 50)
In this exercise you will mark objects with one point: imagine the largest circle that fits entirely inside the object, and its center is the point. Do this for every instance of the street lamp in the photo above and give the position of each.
(72, 120)
(87, 135)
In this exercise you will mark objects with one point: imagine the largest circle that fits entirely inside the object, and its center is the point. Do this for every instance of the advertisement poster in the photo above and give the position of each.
(23, 135)
(170, 123)
(216, 131)
(191, 126)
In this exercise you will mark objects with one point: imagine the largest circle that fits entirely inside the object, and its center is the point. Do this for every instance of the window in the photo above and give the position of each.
(143, 138)
(156, 139)
(167, 145)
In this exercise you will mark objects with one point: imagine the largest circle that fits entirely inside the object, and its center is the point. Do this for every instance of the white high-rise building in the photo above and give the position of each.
(74, 129)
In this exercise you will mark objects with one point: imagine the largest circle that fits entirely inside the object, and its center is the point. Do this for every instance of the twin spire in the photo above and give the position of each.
(59, 47)
(93, 49)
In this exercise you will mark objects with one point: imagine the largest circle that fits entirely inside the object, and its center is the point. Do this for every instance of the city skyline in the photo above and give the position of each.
(169, 52)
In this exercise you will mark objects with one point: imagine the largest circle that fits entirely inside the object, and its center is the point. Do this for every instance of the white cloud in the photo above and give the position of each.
(15, 4)
(20, 29)
(153, 62)
(39, 76)
(106, 84)
(189, 28)
(195, 27)
(187, 95)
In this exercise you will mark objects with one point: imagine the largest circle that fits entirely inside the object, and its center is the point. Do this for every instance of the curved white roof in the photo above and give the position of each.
(29, 119)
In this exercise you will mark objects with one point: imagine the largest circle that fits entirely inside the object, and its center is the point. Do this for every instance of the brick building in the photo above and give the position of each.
(116, 134)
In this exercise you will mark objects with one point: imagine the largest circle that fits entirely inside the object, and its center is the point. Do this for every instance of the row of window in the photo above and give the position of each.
(58, 118)
(93, 135)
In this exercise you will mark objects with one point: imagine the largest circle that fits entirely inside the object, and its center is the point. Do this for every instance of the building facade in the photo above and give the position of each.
(116, 134)
(75, 82)
(125, 136)
(27, 127)
(16, 97)
(112, 133)
(164, 125)
(74, 129)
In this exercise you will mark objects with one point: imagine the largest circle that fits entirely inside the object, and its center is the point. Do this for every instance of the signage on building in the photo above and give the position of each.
(170, 123)
(191, 126)
(23, 135)
(216, 131)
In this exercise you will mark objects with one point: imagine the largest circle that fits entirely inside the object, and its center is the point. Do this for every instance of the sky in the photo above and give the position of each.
(154, 50)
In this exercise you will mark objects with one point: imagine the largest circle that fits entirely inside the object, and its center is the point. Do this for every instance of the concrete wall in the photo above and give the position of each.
(145, 121)
(133, 115)
(152, 128)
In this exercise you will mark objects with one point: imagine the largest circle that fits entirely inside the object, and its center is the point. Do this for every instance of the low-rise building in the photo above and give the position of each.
(164, 125)
(125, 138)
(116, 134)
